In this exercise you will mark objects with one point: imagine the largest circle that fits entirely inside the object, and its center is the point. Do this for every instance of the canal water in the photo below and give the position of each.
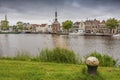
(11, 44)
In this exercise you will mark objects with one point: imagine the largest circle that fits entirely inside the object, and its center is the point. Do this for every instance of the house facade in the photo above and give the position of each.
(95, 26)
(42, 28)
(102, 28)
(118, 28)
(91, 26)
(79, 27)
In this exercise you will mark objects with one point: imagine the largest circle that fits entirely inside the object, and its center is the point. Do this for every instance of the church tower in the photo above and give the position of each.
(56, 24)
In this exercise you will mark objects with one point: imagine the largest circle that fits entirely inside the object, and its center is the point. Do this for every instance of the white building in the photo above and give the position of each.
(42, 28)
(79, 27)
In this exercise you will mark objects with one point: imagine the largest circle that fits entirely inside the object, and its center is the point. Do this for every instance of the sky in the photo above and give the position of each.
(42, 11)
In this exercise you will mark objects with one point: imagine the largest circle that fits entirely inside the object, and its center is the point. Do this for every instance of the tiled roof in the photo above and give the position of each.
(43, 25)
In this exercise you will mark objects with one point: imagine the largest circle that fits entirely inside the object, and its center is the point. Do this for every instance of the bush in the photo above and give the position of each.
(104, 60)
(59, 55)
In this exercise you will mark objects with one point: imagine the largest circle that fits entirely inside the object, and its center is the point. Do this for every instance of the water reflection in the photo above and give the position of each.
(60, 41)
(11, 43)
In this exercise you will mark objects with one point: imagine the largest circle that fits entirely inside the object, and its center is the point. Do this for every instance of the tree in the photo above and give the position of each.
(66, 25)
(20, 25)
(112, 23)
(14, 27)
(4, 25)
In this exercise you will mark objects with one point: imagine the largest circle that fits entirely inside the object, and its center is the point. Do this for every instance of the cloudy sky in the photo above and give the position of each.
(42, 11)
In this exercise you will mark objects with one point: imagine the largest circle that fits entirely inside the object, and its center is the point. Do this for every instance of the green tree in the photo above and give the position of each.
(4, 25)
(14, 27)
(66, 25)
(20, 25)
(112, 23)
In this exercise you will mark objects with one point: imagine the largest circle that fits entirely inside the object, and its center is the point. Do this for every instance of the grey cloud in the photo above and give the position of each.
(67, 9)
(99, 3)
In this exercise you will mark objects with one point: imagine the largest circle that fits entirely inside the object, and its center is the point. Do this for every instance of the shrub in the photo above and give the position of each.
(104, 60)
(59, 55)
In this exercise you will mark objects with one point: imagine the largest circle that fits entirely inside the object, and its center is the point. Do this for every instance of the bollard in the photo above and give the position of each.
(92, 65)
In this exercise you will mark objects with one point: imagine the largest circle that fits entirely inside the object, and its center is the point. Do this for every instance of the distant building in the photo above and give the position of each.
(42, 28)
(76, 26)
(79, 26)
(34, 27)
(91, 26)
(118, 28)
(27, 26)
(50, 28)
(55, 25)
(102, 28)
(94, 27)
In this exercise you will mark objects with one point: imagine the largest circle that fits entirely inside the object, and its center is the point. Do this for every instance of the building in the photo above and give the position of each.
(34, 27)
(118, 28)
(79, 26)
(82, 27)
(105, 30)
(102, 28)
(94, 27)
(91, 26)
(55, 25)
(44, 28)
(76, 26)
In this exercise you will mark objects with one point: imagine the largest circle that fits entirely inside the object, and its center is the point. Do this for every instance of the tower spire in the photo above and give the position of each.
(56, 15)
(6, 17)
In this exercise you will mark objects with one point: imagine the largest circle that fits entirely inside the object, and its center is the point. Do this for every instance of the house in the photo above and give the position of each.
(79, 26)
(49, 28)
(118, 28)
(91, 26)
(35, 27)
(76, 26)
(102, 28)
(43, 28)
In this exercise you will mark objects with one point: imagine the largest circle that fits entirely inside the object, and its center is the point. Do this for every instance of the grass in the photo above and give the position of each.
(31, 70)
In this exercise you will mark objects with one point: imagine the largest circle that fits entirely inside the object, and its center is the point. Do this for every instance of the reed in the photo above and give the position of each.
(59, 55)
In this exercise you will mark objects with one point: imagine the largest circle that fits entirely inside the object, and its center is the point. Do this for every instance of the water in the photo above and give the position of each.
(10, 44)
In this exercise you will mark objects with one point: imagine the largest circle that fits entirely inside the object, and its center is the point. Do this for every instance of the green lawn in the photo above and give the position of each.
(28, 70)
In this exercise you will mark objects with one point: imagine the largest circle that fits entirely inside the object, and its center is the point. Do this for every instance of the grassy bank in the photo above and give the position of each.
(61, 55)
(31, 70)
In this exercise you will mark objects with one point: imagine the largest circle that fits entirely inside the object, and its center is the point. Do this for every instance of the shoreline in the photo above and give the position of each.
(85, 34)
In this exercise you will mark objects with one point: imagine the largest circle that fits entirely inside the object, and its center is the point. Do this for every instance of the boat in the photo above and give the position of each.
(116, 35)
(79, 33)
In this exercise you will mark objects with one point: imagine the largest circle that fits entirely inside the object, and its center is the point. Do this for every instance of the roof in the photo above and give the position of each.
(35, 25)
(76, 23)
(92, 22)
